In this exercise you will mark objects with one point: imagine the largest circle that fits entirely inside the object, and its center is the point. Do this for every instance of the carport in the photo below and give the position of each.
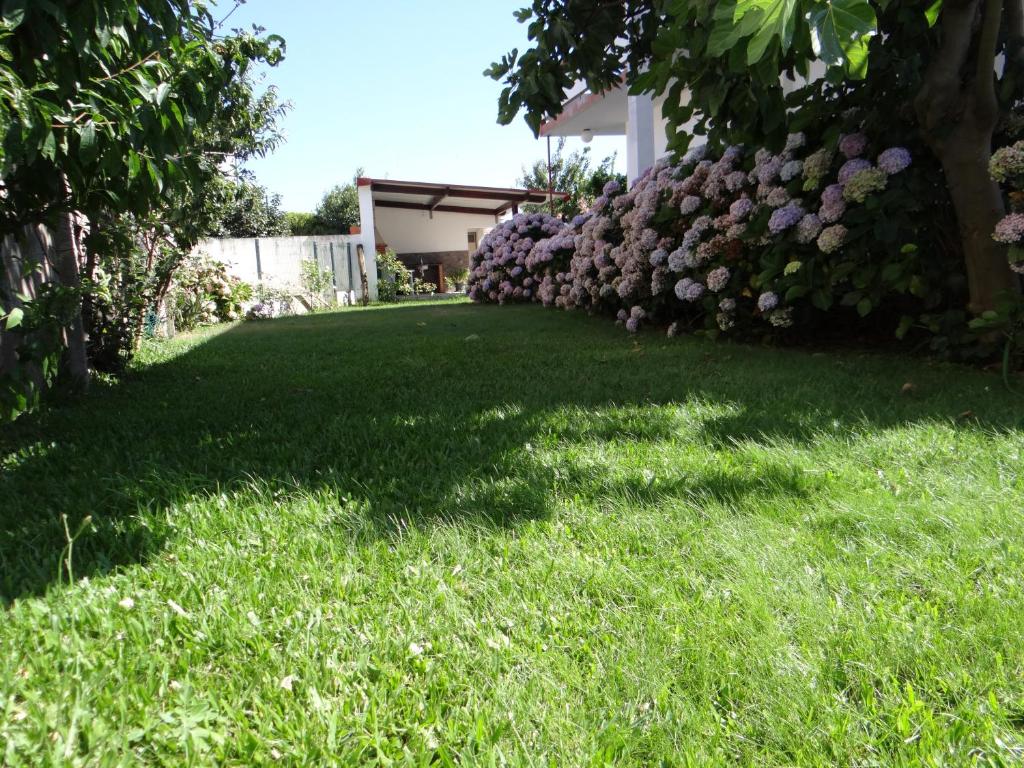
(435, 227)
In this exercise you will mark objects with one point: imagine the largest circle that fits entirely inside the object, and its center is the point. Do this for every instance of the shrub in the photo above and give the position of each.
(747, 243)
(393, 277)
(1006, 321)
(203, 293)
(317, 284)
(424, 286)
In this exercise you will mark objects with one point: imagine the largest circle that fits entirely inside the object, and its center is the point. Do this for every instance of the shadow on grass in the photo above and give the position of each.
(426, 414)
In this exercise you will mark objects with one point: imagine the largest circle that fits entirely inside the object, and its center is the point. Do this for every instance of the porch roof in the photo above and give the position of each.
(604, 114)
(451, 198)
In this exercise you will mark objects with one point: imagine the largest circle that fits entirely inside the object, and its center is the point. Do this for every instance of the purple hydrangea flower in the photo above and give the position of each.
(1010, 229)
(690, 204)
(851, 168)
(727, 305)
(808, 229)
(795, 141)
(894, 160)
(791, 170)
(853, 145)
(677, 260)
(717, 279)
(785, 217)
(767, 301)
(689, 290)
(776, 197)
(611, 188)
(740, 209)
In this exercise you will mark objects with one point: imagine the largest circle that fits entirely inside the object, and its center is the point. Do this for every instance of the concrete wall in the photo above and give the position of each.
(407, 231)
(277, 261)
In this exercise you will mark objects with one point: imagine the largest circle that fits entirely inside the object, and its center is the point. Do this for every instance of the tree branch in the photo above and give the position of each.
(1014, 10)
(941, 91)
(985, 79)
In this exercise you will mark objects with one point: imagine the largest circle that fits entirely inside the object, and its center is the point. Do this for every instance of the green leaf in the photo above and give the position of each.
(87, 142)
(864, 307)
(840, 31)
(906, 323)
(49, 148)
(932, 14)
(777, 21)
(14, 12)
(14, 318)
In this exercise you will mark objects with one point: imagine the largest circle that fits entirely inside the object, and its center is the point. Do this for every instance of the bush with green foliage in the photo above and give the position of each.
(317, 284)
(393, 277)
(118, 117)
(806, 244)
(945, 75)
(420, 285)
(456, 279)
(243, 208)
(204, 293)
(571, 173)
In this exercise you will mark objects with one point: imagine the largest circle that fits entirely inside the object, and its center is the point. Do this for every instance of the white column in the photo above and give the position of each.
(639, 136)
(368, 237)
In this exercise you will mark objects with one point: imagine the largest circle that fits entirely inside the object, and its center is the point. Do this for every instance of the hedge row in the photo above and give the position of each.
(746, 242)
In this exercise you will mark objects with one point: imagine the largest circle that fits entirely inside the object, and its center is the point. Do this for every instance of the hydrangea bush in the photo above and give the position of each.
(742, 242)
(204, 293)
(1007, 167)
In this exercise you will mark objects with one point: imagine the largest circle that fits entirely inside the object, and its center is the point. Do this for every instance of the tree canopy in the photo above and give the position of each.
(572, 173)
(923, 70)
(117, 119)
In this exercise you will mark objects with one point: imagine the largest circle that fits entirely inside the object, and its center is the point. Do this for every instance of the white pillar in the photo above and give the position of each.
(368, 237)
(639, 136)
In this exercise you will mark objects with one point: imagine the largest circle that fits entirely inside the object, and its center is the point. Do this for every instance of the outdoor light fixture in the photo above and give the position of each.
(587, 135)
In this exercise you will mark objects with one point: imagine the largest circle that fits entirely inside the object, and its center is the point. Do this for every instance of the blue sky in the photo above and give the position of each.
(396, 87)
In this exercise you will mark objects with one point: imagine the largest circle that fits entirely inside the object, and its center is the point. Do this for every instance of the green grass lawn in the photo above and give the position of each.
(462, 535)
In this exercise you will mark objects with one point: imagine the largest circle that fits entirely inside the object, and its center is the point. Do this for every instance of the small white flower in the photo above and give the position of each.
(415, 649)
(127, 603)
(288, 682)
(177, 609)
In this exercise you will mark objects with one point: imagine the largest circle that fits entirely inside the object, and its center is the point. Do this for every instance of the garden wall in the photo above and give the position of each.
(277, 261)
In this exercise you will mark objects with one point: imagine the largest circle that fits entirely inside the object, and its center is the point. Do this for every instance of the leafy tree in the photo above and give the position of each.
(571, 173)
(928, 67)
(246, 209)
(300, 224)
(338, 211)
(115, 120)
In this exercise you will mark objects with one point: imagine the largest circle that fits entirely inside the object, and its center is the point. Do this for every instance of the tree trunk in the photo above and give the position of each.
(66, 248)
(978, 202)
(958, 112)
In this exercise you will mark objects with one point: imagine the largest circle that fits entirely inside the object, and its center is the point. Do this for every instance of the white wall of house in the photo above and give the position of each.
(408, 231)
